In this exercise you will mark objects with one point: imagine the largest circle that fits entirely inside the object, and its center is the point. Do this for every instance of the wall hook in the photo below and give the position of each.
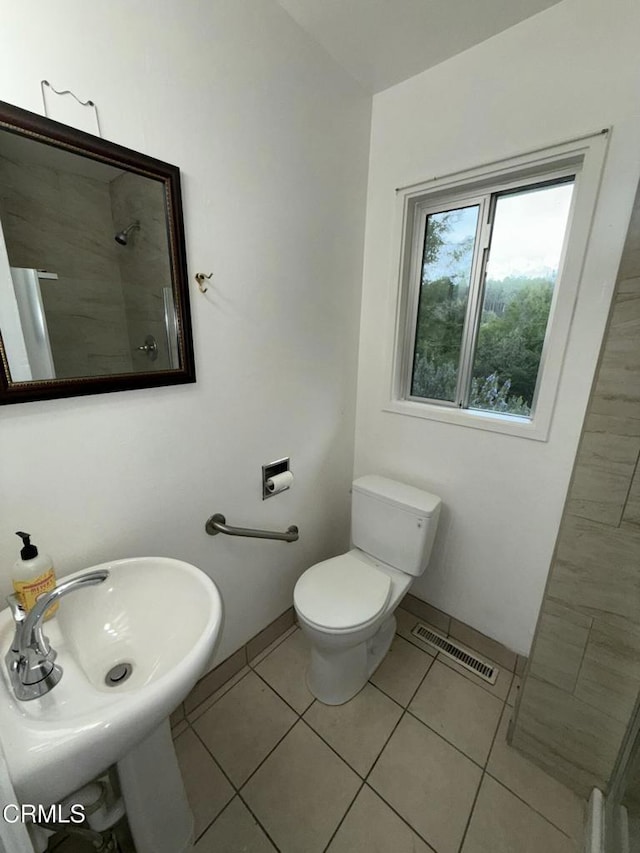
(44, 84)
(200, 278)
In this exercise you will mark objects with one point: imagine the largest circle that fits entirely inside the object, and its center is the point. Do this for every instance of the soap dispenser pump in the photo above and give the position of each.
(33, 574)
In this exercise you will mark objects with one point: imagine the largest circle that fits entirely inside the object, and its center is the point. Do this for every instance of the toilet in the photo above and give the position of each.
(345, 605)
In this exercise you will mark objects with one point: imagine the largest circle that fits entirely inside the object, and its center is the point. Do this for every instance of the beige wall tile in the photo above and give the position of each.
(610, 674)
(596, 567)
(285, 670)
(269, 634)
(631, 513)
(576, 736)
(513, 693)
(521, 665)
(561, 639)
(425, 611)
(573, 741)
(604, 468)
(215, 679)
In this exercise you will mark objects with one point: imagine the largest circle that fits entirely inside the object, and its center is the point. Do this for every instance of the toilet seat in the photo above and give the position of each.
(343, 593)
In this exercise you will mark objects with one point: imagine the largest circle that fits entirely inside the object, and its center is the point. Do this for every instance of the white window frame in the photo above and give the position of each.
(584, 158)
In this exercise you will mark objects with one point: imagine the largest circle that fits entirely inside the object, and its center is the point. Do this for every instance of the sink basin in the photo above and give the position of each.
(162, 617)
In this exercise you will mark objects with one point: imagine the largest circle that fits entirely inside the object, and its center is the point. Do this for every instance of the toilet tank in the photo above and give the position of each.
(394, 522)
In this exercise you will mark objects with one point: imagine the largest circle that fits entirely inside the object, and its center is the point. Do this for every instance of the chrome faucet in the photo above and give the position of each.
(30, 660)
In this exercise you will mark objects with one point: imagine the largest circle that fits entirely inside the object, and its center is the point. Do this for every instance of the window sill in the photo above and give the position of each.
(536, 429)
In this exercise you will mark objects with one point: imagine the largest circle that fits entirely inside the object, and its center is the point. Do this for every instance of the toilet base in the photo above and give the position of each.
(336, 675)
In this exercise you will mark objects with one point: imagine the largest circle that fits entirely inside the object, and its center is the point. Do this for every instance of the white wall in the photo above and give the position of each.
(272, 140)
(570, 70)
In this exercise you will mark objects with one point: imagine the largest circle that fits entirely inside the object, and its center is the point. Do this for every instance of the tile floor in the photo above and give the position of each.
(416, 763)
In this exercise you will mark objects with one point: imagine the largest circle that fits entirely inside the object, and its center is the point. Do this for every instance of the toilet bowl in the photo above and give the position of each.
(345, 605)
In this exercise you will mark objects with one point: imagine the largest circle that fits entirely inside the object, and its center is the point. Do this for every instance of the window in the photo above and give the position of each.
(487, 272)
(490, 263)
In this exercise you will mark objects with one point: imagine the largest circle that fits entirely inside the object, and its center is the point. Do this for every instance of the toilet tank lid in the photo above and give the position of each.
(397, 493)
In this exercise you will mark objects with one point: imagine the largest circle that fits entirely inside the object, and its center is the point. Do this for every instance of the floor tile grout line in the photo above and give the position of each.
(471, 811)
(216, 762)
(224, 808)
(333, 749)
(402, 818)
(211, 822)
(366, 779)
(363, 779)
(495, 735)
(404, 711)
(533, 808)
(384, 693)
(484, 773)
(208, 699)
(449, 742)
(280, 696)
(288, 632)
(487, 772)
(344, 816)
(250, 665)
(259, 822)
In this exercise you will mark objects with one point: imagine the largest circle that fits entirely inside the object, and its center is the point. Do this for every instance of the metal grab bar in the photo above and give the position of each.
(218, 524)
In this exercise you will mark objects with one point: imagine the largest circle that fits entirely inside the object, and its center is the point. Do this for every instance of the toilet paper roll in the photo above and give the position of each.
(279, 482)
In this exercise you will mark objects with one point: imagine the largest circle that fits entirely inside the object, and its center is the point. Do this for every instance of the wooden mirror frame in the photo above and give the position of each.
(36, 127)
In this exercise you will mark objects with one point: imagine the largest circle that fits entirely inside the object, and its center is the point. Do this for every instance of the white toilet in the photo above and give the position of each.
(345, 605)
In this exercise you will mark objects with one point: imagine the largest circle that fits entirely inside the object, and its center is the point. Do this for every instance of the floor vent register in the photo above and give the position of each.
(452, 650)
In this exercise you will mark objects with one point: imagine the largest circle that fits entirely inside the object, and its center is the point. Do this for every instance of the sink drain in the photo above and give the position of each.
(118, 674)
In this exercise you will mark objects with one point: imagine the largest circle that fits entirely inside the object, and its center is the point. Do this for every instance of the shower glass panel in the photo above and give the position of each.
(622, 810)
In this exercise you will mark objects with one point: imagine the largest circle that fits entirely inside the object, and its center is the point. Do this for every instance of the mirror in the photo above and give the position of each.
(93, 280)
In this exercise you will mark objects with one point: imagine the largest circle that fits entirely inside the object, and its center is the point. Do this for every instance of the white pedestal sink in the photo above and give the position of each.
(161, 616)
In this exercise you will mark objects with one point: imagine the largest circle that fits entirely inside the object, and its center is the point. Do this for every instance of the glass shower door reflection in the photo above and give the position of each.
(622, 810)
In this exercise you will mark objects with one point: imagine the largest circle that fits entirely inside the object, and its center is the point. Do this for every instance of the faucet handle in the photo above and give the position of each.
(17, 610)
(19, 615)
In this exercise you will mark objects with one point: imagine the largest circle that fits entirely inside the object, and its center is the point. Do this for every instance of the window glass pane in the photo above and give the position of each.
(528, 234)
(444, 290)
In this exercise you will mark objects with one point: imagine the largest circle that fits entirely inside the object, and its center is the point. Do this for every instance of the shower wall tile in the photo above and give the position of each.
(609, 678)
(596, 568)
(144, 263)
(61, 222)
(583, 682)
(631, 513)
(604, 468)
(561, 641)
(568, 738)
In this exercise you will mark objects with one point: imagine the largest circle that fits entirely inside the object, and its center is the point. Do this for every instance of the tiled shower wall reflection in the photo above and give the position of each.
(584, 668)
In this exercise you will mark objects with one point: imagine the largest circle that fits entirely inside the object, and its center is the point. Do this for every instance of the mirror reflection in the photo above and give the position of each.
(85, 273)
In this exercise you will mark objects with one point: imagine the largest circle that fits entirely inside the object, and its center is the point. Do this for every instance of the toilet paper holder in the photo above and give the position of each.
(276, 478)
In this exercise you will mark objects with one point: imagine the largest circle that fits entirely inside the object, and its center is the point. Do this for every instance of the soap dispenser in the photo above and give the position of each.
(33, 574)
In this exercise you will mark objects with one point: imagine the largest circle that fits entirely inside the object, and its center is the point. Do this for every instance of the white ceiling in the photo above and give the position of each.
(382, 42)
